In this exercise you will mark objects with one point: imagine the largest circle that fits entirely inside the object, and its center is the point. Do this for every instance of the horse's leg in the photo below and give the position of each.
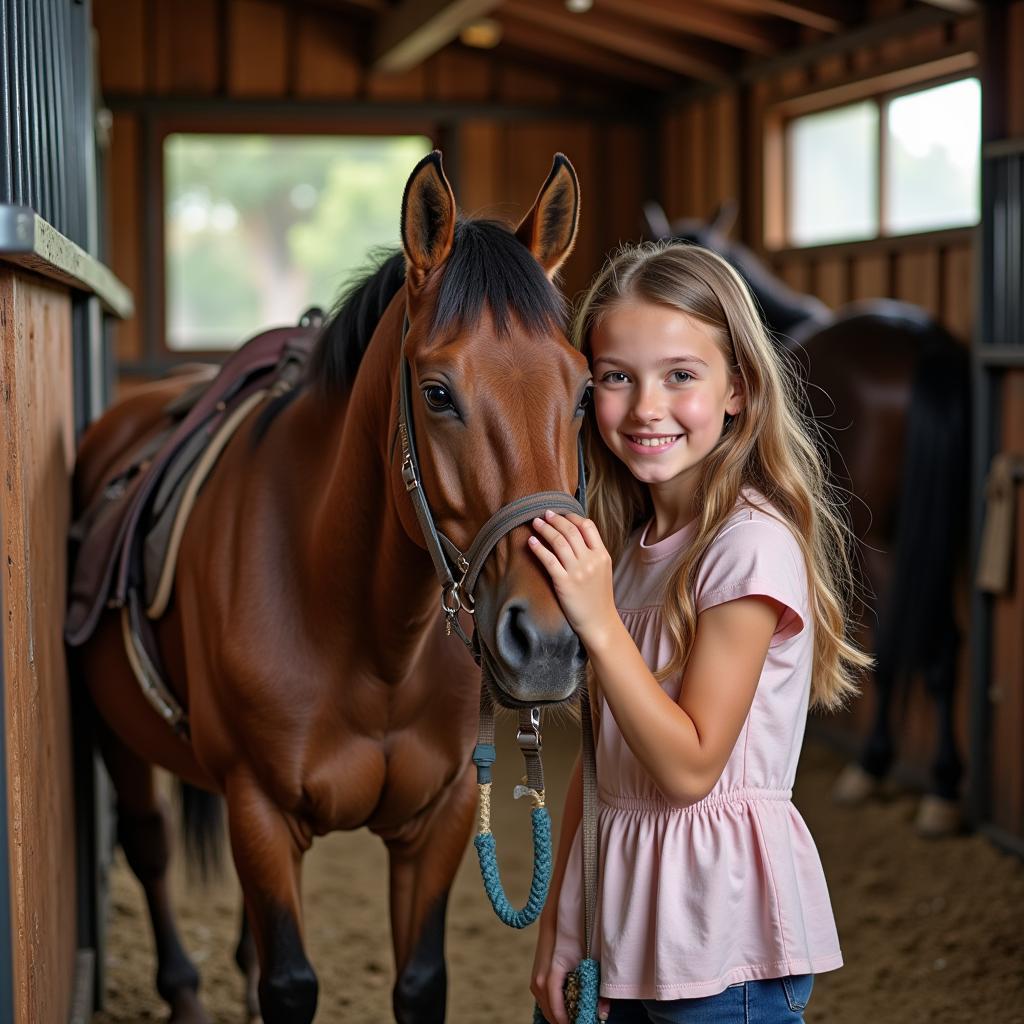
(143, 832)
(422, 868)
(939, 812)
(249, 965)
(267, 846)
(862, 779)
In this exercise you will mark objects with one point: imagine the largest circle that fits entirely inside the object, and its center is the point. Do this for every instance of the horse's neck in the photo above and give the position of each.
(783, 309)
(365, 569)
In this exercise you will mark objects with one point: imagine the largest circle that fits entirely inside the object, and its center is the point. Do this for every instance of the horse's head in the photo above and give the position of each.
(496, 402)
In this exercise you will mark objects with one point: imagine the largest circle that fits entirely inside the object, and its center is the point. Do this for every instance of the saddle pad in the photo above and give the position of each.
(106, 535)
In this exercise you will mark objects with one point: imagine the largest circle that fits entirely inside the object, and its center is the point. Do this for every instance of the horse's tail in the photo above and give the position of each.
(202, 825)
(917, 622)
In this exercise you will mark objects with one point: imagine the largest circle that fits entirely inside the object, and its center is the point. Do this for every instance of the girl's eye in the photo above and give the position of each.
(614, 377)
(681, 376)
(437, 397)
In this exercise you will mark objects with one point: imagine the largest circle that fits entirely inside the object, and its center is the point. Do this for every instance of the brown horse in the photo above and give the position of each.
(305, 639)
(890, 388)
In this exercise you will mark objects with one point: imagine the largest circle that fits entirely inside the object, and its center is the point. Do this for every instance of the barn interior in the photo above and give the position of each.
(695, 107)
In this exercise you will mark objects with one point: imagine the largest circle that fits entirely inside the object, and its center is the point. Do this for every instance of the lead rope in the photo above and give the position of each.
(582, 986)
(484, 755)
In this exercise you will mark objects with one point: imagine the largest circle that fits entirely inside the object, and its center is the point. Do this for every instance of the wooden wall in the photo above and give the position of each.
(501, 120)
(36, 454)
(713, 148)
(1004, 121)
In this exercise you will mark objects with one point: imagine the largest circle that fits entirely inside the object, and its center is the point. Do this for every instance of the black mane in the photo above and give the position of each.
(488, 266)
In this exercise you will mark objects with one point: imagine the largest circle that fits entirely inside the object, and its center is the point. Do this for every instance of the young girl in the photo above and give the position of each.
(724, 619)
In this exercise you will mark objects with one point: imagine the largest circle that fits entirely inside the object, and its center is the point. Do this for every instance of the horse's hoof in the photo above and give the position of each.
(186, 1009)
(938, 818)
(853, 786)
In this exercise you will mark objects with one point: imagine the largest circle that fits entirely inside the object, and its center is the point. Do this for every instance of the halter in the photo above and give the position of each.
(457, 573)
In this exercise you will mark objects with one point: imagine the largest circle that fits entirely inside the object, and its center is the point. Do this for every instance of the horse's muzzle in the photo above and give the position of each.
(532, 665)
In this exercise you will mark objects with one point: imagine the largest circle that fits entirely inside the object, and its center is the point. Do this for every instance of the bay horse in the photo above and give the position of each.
(304, 638)
(891, 389)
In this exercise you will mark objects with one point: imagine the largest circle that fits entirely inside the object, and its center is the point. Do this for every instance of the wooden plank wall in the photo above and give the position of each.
(1007, 679)
(219, 50)
(36, 453)
(713, 149)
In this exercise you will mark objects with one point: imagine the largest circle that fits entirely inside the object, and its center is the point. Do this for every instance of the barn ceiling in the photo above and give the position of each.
(656, 44)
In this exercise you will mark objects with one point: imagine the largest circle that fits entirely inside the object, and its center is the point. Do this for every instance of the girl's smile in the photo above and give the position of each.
(662, 390)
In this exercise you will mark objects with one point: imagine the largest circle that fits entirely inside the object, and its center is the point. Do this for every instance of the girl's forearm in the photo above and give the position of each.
(661, 735)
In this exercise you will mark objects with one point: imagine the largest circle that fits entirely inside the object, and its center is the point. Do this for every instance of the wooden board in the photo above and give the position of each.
(36, 456)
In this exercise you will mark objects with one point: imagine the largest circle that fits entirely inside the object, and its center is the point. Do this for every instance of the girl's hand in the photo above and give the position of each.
(571, 550)
(547, 979)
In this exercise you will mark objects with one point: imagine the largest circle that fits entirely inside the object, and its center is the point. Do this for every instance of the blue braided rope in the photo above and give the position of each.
(589, 975)
(486, 852)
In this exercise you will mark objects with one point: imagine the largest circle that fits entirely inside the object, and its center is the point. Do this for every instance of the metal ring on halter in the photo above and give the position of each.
(451, 591)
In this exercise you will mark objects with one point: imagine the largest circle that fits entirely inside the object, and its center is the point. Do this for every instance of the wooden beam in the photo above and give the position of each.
(956, 6)
(705, 61)
(831, 16)
(748, 33)
(417, 29)
(523, 37)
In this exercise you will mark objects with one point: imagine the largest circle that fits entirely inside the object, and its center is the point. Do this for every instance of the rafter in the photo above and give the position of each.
(747, 33)
(523, 37)
(705, 61)
(416, 29)
(825, 15)
(956, 6)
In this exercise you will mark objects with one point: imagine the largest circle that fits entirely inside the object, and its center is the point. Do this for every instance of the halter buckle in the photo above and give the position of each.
(528, 735)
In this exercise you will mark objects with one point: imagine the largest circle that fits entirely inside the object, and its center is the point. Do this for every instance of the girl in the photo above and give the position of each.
(723, 621)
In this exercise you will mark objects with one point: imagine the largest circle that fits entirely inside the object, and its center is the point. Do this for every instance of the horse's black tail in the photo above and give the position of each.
(202, 821)
(917, 623)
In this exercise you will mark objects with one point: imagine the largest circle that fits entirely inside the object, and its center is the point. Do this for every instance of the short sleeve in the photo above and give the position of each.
(756, 556)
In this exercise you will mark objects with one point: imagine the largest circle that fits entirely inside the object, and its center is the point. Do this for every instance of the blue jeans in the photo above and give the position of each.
(771, 1001)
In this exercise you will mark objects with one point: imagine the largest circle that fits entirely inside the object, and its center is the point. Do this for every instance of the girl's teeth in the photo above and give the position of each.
(655, 442)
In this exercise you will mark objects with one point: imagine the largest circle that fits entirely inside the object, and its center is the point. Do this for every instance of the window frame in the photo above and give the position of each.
(882, 90)
(155, 331)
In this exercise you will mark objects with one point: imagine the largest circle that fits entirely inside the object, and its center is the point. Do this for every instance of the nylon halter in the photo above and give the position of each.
(458, 571)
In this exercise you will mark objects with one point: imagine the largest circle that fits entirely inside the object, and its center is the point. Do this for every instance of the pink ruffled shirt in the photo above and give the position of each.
(694, 899)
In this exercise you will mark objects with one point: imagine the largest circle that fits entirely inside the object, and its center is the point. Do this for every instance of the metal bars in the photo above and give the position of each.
(47, 89)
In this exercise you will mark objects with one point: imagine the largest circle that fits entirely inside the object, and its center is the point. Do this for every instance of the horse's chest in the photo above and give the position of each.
(385, 784)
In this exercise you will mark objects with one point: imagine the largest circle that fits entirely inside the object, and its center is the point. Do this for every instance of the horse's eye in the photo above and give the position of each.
(437, 397)
(585, 400)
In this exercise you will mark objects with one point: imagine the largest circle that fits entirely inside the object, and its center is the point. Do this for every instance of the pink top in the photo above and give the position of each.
(694, 899)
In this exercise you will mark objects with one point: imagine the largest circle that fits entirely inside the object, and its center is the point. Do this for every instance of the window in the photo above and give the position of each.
(887, 165)
(260, 227)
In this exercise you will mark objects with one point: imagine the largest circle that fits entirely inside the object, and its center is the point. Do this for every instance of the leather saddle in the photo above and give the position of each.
(124, 546)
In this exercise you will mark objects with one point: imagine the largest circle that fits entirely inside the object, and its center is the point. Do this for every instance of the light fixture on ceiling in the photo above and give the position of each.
(484, 33)
(578, 6)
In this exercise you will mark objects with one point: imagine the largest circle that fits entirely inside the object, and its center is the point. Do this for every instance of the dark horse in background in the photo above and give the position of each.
(305, 638)
(890, 387)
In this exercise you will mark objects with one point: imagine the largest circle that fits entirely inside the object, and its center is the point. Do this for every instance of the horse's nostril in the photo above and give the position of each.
(516, 636)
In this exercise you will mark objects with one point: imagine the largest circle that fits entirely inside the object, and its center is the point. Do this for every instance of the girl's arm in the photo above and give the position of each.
(685, 745)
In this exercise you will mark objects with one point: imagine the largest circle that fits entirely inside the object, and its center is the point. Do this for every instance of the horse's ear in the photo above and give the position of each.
(428, 218)
(724, 217)
(658, 226)
(549, 229)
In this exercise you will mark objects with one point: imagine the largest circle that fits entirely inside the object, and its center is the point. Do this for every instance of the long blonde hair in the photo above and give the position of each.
(769, 446)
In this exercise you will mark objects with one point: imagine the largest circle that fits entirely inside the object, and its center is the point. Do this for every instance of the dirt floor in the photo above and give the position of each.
(930, 930)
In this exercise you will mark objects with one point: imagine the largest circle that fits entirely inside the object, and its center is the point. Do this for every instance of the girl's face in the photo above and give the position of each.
(662, 389)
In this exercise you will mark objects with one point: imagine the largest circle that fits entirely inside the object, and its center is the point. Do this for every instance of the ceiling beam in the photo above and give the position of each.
(705, 61)
(748, 33)
(956, 6)
(830, 16)
(525, 39)
(417, 29)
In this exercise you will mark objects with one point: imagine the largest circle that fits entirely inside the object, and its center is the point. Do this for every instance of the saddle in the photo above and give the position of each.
(124, 546)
